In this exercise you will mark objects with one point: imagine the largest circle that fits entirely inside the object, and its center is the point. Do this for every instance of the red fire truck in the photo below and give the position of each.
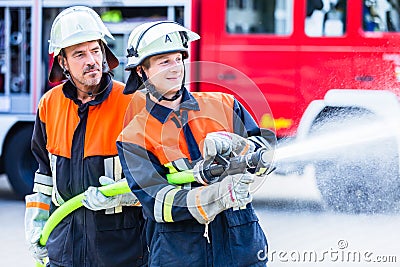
(318, 63)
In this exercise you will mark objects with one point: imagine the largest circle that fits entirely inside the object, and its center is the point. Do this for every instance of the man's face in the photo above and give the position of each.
(166, 73)
(84, 63)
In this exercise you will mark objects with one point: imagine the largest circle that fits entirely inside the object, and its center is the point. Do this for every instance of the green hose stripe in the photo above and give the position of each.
(181, 177)
(74, 203)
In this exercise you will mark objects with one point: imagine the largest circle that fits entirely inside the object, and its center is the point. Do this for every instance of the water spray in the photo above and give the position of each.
(321, 146)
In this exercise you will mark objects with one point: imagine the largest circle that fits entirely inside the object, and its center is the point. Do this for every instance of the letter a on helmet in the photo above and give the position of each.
(167, 39)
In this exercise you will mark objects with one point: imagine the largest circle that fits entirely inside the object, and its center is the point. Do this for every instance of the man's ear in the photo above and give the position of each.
(61, 62)
(139, 71)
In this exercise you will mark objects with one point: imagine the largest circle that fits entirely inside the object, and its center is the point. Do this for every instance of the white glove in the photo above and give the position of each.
(224, 143)
(95, 200)
(206, 202)
(38, 252)
(234, 190)
(36, 217)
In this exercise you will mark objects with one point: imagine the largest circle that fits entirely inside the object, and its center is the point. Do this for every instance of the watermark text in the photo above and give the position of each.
(340, 253)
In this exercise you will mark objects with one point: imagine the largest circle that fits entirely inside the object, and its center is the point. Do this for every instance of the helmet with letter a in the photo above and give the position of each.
(75, 25)
(155, 38)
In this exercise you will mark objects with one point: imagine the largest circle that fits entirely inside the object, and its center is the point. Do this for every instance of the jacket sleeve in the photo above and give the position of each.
(43, 182)
(246, 126)
(161, 201)
(38, 204)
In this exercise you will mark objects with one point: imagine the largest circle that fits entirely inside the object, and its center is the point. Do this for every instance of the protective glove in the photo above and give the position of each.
(224, 143)
(95, 200)
(36, 215)
(235, 190)
(206, 202)
(38, 252)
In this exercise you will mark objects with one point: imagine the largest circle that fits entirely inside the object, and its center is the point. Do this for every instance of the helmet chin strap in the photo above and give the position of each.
(66, 72)
(153, 91)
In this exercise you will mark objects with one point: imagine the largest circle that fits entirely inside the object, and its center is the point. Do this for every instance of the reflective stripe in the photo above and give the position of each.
(199, 207)
(159, 203)
(117, 169)
(44, 189)
(43, 179)
(187, 186)
(52, 160)
(245, 149)
(261, 171)
(260, 141)
(239, 208)
(43, 184)
(263, 143)
(113, 169)
(182, 164)
(109, 167)
(169, 200)
(117, 177)
(55, 195)
(165, 197)
(39, 205)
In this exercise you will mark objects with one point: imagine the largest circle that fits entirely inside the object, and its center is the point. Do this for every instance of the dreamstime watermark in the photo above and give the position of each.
(341, 253)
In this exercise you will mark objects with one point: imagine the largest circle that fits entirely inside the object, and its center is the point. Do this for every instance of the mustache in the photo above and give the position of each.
(91, 67)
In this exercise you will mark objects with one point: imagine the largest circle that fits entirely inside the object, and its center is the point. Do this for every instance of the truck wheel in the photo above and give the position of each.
(353, 188)
(19, 163)
(358, 178)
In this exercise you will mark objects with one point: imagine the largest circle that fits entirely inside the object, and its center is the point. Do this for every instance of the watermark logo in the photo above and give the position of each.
(342, 244)
(340, 253)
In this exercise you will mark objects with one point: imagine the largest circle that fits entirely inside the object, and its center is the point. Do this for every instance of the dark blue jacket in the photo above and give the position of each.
(80, 139)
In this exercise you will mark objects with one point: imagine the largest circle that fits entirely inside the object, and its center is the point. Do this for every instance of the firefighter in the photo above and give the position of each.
(192, 224)
(74, 137)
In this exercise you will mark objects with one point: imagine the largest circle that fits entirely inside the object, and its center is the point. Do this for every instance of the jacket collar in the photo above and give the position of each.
(162, 113)
(70, 91)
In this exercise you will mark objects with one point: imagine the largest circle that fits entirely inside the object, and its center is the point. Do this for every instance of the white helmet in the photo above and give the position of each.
(75, 25)
(155, 38)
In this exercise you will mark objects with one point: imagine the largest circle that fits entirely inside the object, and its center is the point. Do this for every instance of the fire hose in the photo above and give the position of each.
(260, 161)
(73, 204)
(211, 174)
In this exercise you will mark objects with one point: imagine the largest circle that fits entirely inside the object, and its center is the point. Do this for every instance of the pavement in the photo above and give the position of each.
(13, 249)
